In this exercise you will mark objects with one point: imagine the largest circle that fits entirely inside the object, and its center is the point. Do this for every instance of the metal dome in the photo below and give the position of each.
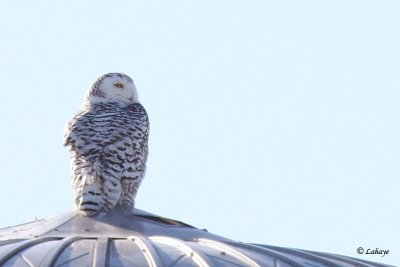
(142, 239)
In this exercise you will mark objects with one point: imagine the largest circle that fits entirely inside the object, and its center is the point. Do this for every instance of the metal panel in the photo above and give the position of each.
(145, 240)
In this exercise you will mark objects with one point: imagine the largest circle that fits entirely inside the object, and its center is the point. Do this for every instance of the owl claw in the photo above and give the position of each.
(89, 212)
(127, 208)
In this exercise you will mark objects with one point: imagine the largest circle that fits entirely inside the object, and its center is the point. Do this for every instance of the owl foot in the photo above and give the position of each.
(127, 208)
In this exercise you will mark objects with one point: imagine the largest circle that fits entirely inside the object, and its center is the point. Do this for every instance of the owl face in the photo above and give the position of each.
(113, 87)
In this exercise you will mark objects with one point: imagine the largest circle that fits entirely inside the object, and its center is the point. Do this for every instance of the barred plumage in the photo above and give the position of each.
(108, 142)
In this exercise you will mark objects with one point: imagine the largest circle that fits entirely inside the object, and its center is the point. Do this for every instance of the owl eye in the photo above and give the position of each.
(118, 85)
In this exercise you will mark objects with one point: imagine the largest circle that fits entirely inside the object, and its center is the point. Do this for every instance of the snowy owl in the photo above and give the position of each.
(108, 144)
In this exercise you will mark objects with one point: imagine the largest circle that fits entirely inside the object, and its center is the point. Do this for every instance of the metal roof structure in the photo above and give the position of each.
(143, 239)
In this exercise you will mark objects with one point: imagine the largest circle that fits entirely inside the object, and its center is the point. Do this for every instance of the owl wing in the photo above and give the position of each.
(132, 153)
(85, 146)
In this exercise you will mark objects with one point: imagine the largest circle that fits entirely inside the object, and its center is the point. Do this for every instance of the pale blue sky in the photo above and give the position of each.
(273, 122)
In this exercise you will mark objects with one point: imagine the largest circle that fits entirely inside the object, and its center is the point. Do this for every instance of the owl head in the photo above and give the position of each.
(113, 87)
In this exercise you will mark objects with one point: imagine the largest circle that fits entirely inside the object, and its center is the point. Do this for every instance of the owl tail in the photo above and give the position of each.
(88, 194)
(91, 201)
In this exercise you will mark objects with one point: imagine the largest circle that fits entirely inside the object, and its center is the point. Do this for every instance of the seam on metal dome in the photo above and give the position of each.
(52, 256)
(164, 221)
(148, 250)
(230, 250)
(195, 254)
(100, 252)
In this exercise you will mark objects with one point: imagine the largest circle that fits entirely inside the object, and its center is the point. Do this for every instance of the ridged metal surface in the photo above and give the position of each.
(142, 239)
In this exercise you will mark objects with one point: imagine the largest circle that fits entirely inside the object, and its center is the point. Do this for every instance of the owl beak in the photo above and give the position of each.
(129, 98)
